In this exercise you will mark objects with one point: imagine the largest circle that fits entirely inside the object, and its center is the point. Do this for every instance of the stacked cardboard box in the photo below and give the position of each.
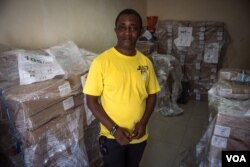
(62, 137)
(234, 83)
(230, 130)
(229, 120)
(230, 133)
(146, 47)
(48, 118)
(91, 140)
(199, 46)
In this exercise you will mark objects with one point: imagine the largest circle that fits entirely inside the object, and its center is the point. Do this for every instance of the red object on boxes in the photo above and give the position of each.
(151, 23)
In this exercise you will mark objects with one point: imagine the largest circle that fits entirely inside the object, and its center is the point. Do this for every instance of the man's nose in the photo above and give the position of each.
(127, 30)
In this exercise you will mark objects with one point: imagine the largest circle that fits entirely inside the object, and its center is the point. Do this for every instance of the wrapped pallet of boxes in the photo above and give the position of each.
(76, 62)
(91, 135)
(199, 46)
(59, 142)
(35, 104)
(48, 114)
(229, 128)
(34, 107)
(8, 77)
(91, 140)
(168, 66)
(231, 133)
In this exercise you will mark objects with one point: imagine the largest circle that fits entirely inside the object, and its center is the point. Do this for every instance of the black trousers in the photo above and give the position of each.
(116, 155)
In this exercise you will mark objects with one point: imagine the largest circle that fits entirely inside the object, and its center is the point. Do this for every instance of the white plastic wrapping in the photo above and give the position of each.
(234, 83)
(25, 67)
(9, 66)
(87, 56)
(167, 65)
(47, 118)
(232, 90)
(235, 75)
(69, 57)
(228, 130)
(58, 143)
(91, 140)
(199, 46)
(51, 136)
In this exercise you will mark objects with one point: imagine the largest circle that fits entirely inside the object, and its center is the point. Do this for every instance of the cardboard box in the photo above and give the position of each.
(231, 132)
(233, 74)
(237, 125)
(52, 112)
(233, 90)
(58, 141)
(91, 136)
(36, 97)
(145, 47)
(69, 126)
(61, 154)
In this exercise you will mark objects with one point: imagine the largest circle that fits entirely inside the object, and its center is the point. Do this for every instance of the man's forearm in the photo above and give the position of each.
(121, 135)
(150, 105)
(98, 112)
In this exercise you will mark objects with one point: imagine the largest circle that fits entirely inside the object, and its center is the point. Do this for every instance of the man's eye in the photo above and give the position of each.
(133, 29)
(121, 28)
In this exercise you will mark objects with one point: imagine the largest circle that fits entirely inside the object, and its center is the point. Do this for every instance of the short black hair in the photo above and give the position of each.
(129, 12)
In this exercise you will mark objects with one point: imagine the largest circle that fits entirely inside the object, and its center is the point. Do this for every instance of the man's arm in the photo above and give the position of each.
(121, 135)
(140, 127)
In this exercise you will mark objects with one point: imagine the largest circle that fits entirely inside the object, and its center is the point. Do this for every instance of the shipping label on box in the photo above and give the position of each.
(211, 54)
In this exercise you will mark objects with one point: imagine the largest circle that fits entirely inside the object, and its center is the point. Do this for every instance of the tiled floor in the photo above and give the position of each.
(170, 137)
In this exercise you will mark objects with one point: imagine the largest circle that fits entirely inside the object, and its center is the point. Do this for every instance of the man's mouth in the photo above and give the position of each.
(126, 40)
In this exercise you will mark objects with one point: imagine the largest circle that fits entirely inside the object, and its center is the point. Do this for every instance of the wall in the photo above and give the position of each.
(234, 13)
(90, 23)
(33, 24)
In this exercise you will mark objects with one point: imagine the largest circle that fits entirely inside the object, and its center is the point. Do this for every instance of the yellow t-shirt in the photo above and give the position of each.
(123, 83)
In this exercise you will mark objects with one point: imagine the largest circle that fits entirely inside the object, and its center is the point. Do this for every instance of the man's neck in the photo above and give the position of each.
(127, 52)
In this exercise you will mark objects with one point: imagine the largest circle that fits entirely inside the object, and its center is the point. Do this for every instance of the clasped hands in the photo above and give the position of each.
(123, 137)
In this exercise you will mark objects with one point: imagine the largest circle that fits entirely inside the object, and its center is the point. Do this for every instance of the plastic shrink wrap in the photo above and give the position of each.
(228, 128)
(46, 120)
(235, 75)
(44, 123)
(74, 61)
(166, 66)
(199, 46)
(234, 83)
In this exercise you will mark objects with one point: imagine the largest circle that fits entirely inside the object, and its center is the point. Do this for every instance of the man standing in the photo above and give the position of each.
(121, 89)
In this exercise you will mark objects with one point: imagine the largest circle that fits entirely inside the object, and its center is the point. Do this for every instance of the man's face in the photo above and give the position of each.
(127, 31)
